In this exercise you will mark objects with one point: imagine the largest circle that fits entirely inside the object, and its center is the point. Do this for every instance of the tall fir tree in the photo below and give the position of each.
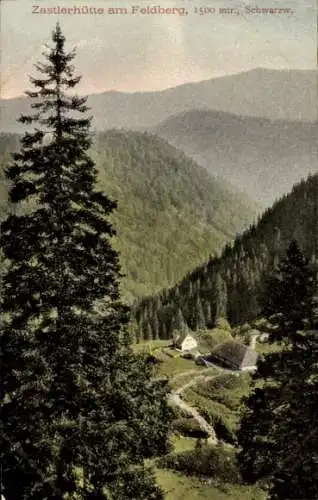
(199, 319)
(278, 435)
(220, 291)
(288, 294)
(178, 323)
(79, 411)
(155, 327)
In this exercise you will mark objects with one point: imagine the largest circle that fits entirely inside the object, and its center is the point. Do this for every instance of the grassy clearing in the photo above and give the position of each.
(172, 363)
(266, 347)
(180, 381)
(150, 346)
(219, 401)
(180, 487)
(198, 401)
(227, 389)
(181, 443)
(183, 380)
(174, 366)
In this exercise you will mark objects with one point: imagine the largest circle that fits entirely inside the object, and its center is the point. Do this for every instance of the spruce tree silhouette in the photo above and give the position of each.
(79, 411)
(278, 434)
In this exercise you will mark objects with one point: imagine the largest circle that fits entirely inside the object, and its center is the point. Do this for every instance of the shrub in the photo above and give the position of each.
(179, 412)
(152, 360)
(223, 324)
(208, 461)
(187, 355)
(219, 384)
(224, 427)
(245, 328)
(224, 430)
(189, 427)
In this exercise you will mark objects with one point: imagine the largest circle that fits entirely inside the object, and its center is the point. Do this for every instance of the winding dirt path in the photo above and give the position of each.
(175, 400)
(188, 372)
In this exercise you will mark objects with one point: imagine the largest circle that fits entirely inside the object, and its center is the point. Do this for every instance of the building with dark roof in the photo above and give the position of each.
(232, 355)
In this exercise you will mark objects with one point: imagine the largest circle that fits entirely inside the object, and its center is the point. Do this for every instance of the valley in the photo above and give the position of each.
(163, 198)
(207, 405)
(258, 156)
(231, 285)
(190, 178)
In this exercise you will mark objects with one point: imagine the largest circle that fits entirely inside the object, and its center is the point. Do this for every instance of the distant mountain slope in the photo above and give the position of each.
(262, 157)
(230, 286)
(274, 94)
(171, 214)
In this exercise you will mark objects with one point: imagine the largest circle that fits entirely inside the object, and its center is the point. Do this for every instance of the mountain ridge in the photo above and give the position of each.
(259, 156)
(258, 69)
(286, 94)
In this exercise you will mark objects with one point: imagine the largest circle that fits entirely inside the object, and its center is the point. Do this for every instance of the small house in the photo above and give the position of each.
(184, 342)
(233, 355)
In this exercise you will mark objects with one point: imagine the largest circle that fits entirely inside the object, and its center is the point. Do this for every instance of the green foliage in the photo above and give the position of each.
(199, 319)
(163, 198)
(162, 195)
(188, 427)
(80, 412)
(209, 339)
(233, 284)
(288, 295)
(278, 435)
(222, 324)
(217, 462)
(178, 486)
(173, 366)
(219, 401)
(179, 326)
(221, 297)
(207, 342)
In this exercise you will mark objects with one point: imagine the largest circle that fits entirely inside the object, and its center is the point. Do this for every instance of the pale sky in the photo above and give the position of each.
(151, 52)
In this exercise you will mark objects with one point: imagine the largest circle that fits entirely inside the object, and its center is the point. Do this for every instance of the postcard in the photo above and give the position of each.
(196, 121)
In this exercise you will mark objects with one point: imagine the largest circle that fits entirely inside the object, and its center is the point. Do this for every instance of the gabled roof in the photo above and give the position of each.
(180, 334)
(236, 354)
(179, 337)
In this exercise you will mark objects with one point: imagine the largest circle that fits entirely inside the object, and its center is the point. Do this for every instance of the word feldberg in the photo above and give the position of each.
(157, 9)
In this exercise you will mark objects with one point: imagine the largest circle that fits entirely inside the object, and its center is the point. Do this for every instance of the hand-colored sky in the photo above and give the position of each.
(131, 53)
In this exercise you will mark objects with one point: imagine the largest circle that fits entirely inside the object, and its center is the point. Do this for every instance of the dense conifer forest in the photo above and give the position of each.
(171, 213)
(230, 285)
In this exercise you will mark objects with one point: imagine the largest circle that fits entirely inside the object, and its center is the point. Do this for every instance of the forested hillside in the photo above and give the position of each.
(171, 214)
(230, 286)
(261, 157)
